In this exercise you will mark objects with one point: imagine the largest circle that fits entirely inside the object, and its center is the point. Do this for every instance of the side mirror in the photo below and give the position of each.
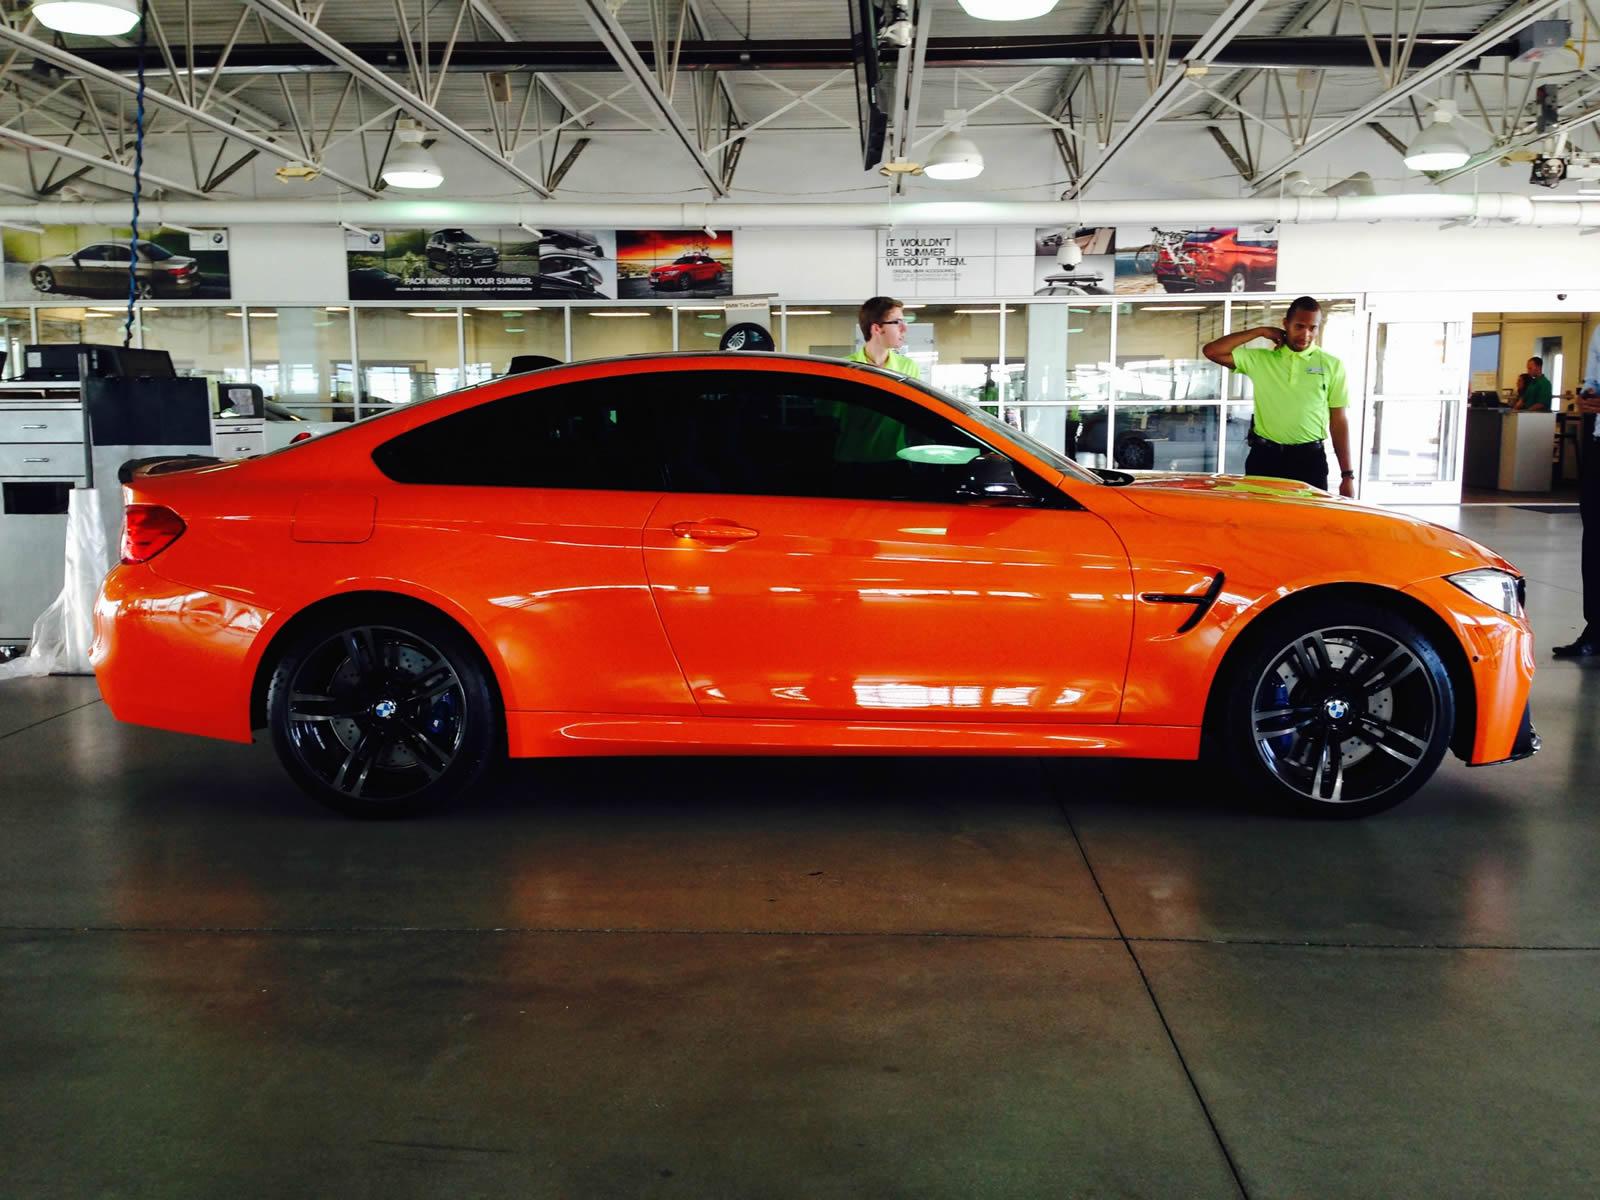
(77, 261)
(991, 479)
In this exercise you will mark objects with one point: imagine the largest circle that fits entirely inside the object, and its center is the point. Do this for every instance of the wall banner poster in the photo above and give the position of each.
(459, 263)
(92, 261)
(957, 261)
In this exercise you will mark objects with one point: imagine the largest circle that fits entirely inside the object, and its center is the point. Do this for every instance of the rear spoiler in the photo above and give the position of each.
(162, 464)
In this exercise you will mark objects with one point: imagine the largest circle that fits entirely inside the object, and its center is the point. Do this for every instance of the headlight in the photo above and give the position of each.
(1498, 589)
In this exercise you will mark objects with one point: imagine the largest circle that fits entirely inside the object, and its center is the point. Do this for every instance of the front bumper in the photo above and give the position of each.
(1528, 742)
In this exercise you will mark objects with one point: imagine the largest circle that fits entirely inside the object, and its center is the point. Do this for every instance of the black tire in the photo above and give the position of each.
(383, 712)
(43, 279)
(1350, 679)
(1135, 454)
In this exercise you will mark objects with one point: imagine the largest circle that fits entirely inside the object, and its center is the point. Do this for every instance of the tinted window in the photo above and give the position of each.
(153, 252)
(581, 435)
(116, 254)
(763, 433)
(1200, 239)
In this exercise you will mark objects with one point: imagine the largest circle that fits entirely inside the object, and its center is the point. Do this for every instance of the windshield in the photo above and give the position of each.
(687, 258)
(1210, 235)
(1012, 434)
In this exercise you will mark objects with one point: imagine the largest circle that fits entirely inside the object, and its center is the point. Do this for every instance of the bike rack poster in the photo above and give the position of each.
(92, 261)
(1094, 274)
(673, 262)
(473, 262)
(1184, 259)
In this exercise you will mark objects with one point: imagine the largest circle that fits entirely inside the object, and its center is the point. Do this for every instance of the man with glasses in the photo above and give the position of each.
(883, 327)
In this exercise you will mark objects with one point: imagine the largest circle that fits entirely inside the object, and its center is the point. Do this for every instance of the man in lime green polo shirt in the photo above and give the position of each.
(1300, 398)
(1535, 393)
(883, 328)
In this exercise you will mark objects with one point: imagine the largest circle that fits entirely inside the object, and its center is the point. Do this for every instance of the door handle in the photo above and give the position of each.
(713, 531)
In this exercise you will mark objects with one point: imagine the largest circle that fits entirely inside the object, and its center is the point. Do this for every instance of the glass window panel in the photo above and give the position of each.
(300, 357)
(16, 331)
(826, 330)
(1069, 354)
(1412, 440)
(1166, 438)
(610, 332)
(700, 326)
(407, 354)
(1236, 430)
(202, 341)
(496, 333)
(1159, 355)
(1414, 359)
(96, 324)
(957, 347)
(1076, 430)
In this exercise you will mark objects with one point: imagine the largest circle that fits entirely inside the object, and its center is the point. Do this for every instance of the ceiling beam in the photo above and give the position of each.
(70, 62)
(370, 75)
(497, 24)
(1173, 87)
(629, 62)
(28, 142)
(1503, 27)
(1079, 51)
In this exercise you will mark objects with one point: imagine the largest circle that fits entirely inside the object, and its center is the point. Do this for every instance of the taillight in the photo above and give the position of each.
(147, 530)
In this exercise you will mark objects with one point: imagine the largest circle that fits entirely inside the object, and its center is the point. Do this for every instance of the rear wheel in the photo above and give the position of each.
(1338, 710)
(383, 713)
(1239, 281)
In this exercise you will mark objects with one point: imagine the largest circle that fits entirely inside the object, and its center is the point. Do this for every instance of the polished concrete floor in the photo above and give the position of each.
(782, 978)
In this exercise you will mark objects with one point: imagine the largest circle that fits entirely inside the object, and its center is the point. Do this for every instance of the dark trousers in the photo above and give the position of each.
(1589, 512)
(1307, 462)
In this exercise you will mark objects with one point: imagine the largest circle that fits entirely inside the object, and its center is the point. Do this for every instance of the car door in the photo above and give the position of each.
(527, 511)
(811, 559)
(84, 262)
(111, 270)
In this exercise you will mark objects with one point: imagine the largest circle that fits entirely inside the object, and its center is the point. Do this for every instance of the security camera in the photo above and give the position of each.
(1547, 171)
(1561, 295)
(895, 30)
(1069, 254)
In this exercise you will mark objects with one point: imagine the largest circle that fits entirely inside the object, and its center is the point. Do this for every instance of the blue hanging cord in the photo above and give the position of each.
(138, 181)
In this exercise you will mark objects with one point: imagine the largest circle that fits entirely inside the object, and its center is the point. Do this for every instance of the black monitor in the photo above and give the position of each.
(60, 362)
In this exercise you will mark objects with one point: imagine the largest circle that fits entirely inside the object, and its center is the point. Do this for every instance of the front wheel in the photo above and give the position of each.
(384, 713)
(1338, 710)
(44, 279)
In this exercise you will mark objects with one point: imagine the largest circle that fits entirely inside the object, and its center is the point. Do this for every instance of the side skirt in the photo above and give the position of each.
(554, 734)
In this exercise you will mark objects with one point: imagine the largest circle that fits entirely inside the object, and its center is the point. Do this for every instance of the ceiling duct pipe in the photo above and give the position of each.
(1499, 208)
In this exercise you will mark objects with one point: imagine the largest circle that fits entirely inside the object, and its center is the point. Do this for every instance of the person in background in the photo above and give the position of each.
(1533, 389)
(1300, 399)
(883, 328)
(1587, 643)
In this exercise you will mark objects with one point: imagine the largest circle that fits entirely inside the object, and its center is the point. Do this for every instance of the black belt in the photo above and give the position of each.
(1256, 440)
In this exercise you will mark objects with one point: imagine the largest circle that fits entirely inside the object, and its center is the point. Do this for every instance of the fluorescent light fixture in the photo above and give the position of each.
(619, 314)
(954, 156)
(810, 312)
(509, 310)
(515, 329)
(446, 315)
(701, 308)
(1168, 307)
(980, 312)
(1439, 147)
(94, 18)
(335, 308)
(1007, 10)
(409, 164)
(270, 316)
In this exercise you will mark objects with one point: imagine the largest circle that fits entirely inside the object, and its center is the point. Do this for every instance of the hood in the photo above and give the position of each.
(1284, 508)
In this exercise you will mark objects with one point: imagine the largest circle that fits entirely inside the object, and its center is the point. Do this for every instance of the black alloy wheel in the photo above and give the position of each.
(1342, 712)
(383, 717)
(43, 279)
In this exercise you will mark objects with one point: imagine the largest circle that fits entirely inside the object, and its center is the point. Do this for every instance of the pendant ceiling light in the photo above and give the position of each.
(95, 18)
(1439, 147)
(1007, 10)
(410, 165)
(954, 156)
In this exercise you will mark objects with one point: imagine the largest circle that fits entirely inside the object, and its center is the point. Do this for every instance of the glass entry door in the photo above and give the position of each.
(1414, 430)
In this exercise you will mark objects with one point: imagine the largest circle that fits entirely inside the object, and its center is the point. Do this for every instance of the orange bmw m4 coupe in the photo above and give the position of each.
(768, 554)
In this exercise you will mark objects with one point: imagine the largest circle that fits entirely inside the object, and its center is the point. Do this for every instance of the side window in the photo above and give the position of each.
(116, 254)
(599, 434)
(772, 434)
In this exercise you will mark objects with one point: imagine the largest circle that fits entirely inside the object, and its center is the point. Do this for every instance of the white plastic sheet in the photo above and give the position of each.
(62, 634)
